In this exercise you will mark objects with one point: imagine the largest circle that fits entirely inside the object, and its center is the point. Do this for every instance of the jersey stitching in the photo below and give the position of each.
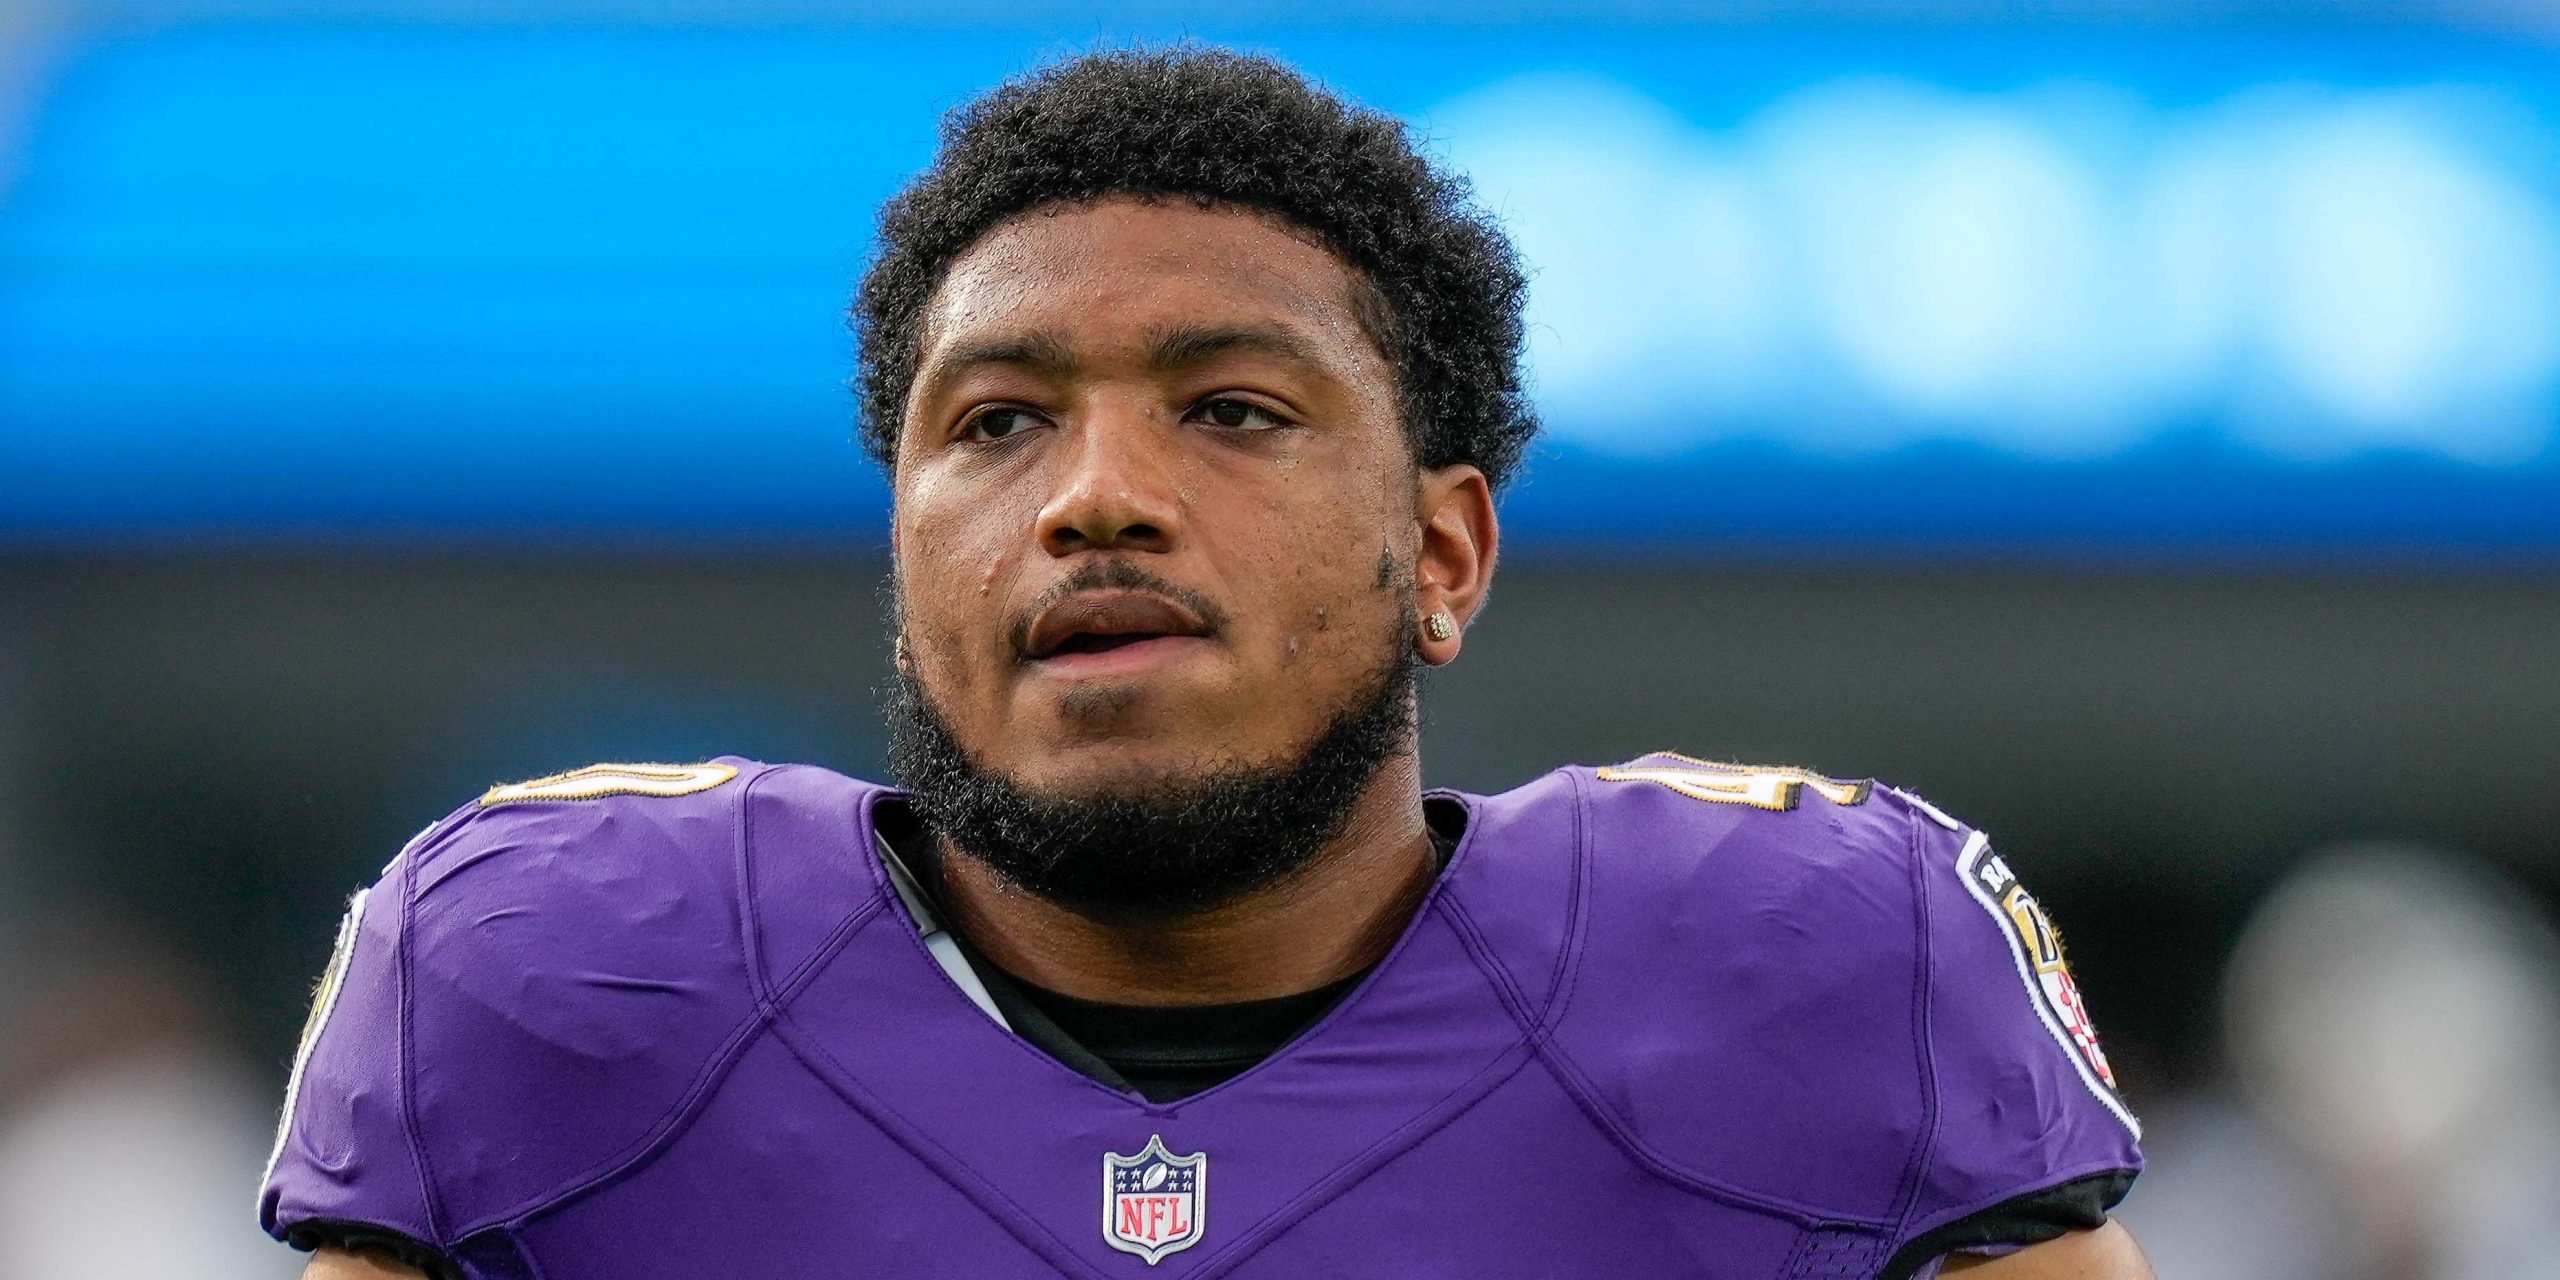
(911, 937)
(1923, 992)
(1568, 1073)
(1012, 1040)
(769, 994)
(835, 942)
(1443, 890)
(524, 1254)
(1447, 899)
(1569, 958)
(1480, 953)
(751, 920)
(840, 1080)
(1538, 1036)
(882, 895)
(403, 1050)
(697, 1095)
(1566, 968)
(649, 1145)
(1359, 1167)
(965, 1178)
(679, 1118)
(418, 1159)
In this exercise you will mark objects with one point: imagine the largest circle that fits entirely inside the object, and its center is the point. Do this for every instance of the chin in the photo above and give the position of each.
(1127, 707)
(1121, 766)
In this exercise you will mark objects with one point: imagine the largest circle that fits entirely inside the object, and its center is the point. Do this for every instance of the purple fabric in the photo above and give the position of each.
(1632, 1031)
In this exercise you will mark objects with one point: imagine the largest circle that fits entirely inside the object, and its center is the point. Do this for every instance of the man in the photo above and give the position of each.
(1196, 385)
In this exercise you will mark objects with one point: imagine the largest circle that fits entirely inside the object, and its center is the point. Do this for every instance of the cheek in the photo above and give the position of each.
(1337, 618)
(1321, 550)
(954, 580)
(934, 635)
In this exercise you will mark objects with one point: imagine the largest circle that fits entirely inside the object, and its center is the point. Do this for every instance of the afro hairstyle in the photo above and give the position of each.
(1441, 286)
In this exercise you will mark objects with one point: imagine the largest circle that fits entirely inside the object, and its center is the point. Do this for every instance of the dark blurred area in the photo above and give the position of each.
(357, 455)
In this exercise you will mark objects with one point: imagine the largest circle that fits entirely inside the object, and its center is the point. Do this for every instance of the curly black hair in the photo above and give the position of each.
(1223, 129)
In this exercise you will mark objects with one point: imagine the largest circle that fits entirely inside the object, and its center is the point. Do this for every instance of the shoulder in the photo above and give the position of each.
(1741, 866)
(577, 955)
(1668, 822)
(1750, 1001)
(1669, 859)
(1828, 997)
(620, 868)
(650, 863)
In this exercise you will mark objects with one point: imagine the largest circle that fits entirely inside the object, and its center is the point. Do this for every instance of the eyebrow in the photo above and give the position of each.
(1043, 351)
(1180, 347)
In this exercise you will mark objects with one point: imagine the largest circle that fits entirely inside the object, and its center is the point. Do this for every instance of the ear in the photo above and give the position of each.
(1453, 566)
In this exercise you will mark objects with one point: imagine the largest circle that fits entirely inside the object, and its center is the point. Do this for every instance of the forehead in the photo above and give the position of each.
(1114, 270)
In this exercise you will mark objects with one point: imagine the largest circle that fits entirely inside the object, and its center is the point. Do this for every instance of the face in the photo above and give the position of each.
(1156, 516)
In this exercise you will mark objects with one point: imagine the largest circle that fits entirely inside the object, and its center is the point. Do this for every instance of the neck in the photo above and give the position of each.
(1334, 918)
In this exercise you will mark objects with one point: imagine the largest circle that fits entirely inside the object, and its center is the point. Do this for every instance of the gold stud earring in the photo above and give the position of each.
(1440, 626)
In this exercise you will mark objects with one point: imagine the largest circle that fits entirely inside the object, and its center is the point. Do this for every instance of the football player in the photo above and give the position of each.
(1196, 385)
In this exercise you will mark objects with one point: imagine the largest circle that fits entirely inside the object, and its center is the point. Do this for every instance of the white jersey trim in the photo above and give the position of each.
(1975, 848)
(324, 1003)
(938, 941)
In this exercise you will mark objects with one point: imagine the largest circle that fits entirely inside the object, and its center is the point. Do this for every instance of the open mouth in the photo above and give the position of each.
(1100, 642)
(1090, 624)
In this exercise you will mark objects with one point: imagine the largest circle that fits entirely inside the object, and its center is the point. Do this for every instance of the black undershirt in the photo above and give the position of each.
(1163, 1053)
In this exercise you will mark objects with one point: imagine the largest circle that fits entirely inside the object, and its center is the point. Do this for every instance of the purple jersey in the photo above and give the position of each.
(1667, 1018)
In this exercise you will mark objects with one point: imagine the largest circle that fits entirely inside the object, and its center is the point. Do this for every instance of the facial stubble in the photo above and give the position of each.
(1172, 844)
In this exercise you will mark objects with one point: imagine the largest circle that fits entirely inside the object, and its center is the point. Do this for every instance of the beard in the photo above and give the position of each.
(1173, 844)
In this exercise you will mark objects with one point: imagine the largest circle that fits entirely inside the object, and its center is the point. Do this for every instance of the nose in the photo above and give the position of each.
(1116, 491)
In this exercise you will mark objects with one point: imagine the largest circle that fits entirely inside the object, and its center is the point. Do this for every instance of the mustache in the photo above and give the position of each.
(1118, 575)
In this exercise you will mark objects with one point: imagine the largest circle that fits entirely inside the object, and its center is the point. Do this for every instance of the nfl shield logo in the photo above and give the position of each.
(1153, 1202)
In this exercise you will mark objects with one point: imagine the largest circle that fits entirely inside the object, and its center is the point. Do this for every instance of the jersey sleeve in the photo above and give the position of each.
(2028, 1129)
(343, 1159)
(529, 999)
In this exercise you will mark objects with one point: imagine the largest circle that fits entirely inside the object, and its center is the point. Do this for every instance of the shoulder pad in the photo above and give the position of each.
(1747, 995)
(574, 962)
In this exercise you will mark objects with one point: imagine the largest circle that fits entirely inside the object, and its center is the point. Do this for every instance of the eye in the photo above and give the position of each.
(1237, 415)
(1000, 423)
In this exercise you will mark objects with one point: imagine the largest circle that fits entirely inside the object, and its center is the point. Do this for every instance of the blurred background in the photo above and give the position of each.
(2133, 424)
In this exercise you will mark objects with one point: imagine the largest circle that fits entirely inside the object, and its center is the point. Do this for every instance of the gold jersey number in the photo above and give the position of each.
(614, 780)
(1759, 788)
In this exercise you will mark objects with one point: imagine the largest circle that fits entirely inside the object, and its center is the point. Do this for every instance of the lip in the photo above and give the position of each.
(1165, 627)
(1128, 659)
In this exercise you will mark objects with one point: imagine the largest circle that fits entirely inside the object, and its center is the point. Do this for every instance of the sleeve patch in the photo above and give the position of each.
(1757, 787)
(2037, 948)
(614, 780)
